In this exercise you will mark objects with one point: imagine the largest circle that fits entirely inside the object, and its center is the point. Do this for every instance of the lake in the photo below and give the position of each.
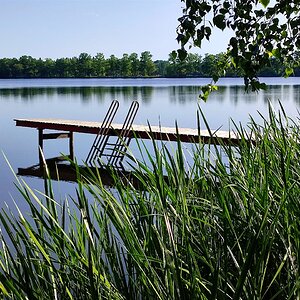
(162, 101)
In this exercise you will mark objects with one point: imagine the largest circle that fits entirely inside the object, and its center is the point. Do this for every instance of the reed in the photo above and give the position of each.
(200, 230)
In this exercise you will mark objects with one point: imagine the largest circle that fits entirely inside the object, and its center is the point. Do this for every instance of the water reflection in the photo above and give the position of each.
(297, 96)
(147, 94)
(86, 94)
(62, 171)
(183, 94)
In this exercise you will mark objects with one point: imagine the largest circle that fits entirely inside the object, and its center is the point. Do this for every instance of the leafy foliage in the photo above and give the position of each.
(129, 66)
(261, 29)
(82, 66)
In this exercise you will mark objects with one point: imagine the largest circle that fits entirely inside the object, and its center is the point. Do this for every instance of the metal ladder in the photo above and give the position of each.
(112, 149)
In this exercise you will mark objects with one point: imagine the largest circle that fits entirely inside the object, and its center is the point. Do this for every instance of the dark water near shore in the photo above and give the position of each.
(162, 101)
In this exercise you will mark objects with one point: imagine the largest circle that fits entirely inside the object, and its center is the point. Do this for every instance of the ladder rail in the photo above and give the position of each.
(102, 137)
(123, 139)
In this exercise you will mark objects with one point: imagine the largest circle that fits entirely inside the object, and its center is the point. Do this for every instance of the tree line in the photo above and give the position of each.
(129, 65)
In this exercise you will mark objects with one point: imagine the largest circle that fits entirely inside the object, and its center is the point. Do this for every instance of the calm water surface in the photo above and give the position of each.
(162, 101)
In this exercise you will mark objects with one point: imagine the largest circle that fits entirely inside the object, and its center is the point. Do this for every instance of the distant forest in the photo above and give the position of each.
(129, 65)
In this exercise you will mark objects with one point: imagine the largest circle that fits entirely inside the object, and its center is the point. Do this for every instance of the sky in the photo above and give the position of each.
(66, 28)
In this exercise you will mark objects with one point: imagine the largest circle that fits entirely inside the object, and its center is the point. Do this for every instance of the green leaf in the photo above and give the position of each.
(215, 77)
(265, 3)
(182, 54)
(174, 54)
(276, 52)
(288, 72)
(206, 91)
(3, 289)
(284, 34)
(219, 21)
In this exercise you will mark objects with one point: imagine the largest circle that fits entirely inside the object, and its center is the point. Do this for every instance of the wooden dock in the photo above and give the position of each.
(66, 129)
(187, 135)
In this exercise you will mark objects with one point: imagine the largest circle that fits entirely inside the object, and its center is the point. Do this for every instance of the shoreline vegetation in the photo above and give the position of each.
(213, 230)
(128, 66)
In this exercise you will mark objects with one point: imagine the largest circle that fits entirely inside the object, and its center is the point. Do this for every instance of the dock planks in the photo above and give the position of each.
(187, 135)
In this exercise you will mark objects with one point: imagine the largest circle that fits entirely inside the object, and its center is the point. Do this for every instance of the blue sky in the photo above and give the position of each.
(66, 28)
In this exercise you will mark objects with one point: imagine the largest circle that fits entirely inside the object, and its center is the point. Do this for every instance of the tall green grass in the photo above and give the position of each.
(205, 230)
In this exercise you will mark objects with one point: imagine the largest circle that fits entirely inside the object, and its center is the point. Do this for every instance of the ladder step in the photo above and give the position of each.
(110, 155)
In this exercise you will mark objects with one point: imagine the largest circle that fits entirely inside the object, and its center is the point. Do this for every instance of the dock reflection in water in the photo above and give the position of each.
(59, 169)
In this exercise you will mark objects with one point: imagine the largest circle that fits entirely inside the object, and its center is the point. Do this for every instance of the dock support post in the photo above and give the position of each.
(71, 145)
(49, 136)
(41, 147)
